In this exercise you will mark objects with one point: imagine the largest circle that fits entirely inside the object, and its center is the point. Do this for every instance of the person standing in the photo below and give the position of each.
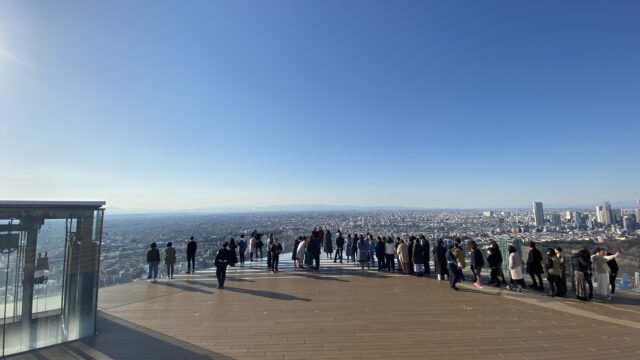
(234, 255)
(477, 263)
(440, 260)
(269, 243)
(316, 244)
(170, 259)
(328, 244)
(349, 248)
(403, 256)
(459, 254)
(418, 258)
(252, 246)
(581, 263)
(242, 248)
(601, 269)
(494, 259)
(339, 247)
(390, 254)
(294, 251)
(192, 246)
(363, 252)
(427, 254)
(515, 268)
(534, 266)
(380, 254)
(553, 272)
(453, 268)
(259, 246)
(221, 262)
(562, 277)
(372, 249)
(275, 250)
(300, 252)
(153, 258)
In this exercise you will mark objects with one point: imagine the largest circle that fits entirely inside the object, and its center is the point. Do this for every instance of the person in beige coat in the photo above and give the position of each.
(403, 256)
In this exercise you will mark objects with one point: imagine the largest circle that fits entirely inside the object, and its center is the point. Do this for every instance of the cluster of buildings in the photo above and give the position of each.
(613, 221)
(126, 238)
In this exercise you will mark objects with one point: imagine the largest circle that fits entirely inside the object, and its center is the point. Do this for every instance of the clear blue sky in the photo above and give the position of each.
(188, 104)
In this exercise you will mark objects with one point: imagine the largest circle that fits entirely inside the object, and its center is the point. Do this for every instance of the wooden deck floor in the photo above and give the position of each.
(344, 313)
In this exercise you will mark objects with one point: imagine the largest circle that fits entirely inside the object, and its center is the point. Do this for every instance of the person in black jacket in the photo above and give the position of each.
(274, 251)
(222, 261)
(339, 247)
(380, 254)
(427, 254)
(613, 273)
(440, 260)
(192, 246)
(494, 258)
(534, 266)
(153, 258)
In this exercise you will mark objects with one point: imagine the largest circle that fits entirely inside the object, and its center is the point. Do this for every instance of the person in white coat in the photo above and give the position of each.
(515, 268)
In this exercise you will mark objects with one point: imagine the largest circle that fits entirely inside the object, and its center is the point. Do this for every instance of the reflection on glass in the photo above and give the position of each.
(49, 254)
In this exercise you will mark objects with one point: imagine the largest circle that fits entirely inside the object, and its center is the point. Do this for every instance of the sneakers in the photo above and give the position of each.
(478, 285)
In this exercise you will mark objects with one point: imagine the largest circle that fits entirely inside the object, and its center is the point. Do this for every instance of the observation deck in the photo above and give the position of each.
(342, 312)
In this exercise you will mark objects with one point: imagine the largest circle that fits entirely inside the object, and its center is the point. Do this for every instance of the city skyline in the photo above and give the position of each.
(152, 105)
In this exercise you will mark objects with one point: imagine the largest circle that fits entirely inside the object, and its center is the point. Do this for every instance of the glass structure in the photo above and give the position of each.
(49, 266)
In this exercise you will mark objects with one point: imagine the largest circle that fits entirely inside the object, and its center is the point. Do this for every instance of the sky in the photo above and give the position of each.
(201, 104)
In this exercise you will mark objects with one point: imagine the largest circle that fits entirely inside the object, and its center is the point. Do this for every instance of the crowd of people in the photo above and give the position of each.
(413, 257)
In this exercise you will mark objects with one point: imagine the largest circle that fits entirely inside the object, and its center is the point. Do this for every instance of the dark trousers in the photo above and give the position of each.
(241, 257)
(338, 251)
(495, 273)
(275, 260)
(221, 274)
(589, 280)
(612, 282)
(476, 273)
(390, 262)
(539, 285)
(169, 270)
(553, 281)
(381, 262)
(269, 257)
(316, 260)
(454, 275)
(191, 262)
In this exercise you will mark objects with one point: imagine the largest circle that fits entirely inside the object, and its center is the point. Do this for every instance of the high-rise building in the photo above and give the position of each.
(629, 222)
(638, 204)
(538, 214)
(599, 212)
(578, 219)
(555, 220)
(567, 215)
(607, 215)
(637, 214)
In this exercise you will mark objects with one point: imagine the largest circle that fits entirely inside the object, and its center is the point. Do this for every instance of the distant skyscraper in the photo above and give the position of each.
(599, 212)
(578, 219)
(638, 204)
(629, 222)
(538, 214)
(607, 214)
(637, 215)
(555, 220)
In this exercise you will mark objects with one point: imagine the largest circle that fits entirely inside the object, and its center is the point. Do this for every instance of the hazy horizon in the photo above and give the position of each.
(199, 104)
